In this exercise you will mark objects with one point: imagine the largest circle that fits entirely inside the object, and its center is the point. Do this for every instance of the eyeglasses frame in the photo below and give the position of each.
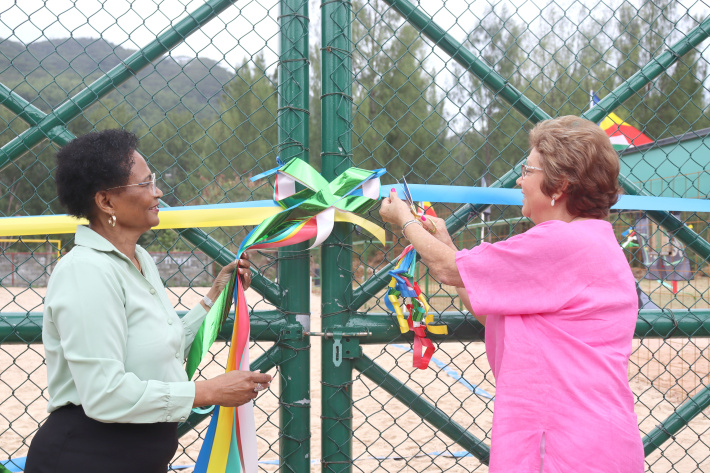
(152, 181)
(525, 170)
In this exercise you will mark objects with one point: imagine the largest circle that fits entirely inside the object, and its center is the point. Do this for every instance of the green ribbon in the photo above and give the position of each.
(318, 195)
(208, 331)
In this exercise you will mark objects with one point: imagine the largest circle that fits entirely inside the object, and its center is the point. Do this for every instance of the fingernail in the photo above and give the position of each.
(392, 190)
(423, 218)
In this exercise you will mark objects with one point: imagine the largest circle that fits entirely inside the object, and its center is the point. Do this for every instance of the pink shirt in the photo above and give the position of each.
(562, 306)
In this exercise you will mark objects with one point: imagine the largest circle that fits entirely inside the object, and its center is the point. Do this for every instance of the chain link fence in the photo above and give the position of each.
(442, 92)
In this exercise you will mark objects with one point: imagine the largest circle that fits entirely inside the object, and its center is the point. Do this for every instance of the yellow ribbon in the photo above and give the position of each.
(181, 217)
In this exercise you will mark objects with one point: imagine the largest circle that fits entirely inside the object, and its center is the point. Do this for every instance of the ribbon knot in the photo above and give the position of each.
(312, 211)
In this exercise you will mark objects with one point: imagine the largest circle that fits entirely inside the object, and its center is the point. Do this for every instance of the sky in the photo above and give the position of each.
(239, 32)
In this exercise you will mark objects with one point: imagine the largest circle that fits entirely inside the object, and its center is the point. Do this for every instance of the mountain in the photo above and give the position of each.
(48, 72)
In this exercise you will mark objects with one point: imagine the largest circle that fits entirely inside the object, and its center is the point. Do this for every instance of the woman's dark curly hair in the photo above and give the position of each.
(92, 163)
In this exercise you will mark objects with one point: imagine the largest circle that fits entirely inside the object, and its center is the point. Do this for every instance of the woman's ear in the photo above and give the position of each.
(104, 203)
(562, 190)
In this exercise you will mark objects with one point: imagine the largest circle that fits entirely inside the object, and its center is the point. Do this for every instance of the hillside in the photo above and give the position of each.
(48, 72)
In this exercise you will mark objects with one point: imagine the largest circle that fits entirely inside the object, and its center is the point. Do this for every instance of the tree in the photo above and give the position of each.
(495, 137)
(246, 136)
(675, 103)
(398, 121)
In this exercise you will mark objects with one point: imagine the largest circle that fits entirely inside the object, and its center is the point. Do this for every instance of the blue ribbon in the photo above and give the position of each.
(500, 196)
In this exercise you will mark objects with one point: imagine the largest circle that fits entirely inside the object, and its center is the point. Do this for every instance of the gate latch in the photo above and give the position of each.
(345, 345)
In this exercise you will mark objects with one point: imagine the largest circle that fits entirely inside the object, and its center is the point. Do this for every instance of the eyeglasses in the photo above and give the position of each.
(526, 170)
(142, 184)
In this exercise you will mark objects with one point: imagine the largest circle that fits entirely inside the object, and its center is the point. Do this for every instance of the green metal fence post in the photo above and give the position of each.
(294, 262)
(336, 255)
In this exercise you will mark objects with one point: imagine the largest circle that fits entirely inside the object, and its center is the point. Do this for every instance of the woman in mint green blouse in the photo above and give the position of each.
(114, 345)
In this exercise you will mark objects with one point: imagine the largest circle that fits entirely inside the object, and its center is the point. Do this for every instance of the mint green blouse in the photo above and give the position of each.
(113, 341)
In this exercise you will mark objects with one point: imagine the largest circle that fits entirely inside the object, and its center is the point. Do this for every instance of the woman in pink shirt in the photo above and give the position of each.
(559, 304)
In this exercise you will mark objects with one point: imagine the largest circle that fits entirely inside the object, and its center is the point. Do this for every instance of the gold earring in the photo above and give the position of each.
(552, 204)
(112, 220)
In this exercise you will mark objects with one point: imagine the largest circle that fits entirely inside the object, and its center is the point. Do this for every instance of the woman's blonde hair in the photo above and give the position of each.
(577, 153)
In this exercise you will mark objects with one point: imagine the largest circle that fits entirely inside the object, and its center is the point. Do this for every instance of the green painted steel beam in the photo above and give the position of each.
(336, 251)
(438, 419)
(666, 324)
(112, 79)
(268, 325)
(264, 363)
(383, 328)
(443, 40)
(20, 107)
(649, 72)
(32, 115)
(26, 327)
(677, 420)
(201, 240)
(294, 261)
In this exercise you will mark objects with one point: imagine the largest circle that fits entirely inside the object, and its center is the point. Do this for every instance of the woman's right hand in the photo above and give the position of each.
(230, 389)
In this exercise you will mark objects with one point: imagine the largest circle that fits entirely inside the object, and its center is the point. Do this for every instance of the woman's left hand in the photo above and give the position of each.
(221, 281)
(245, 270)
(395, 210)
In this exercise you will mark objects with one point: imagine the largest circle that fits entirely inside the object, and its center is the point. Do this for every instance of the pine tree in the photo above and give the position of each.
(398, 120)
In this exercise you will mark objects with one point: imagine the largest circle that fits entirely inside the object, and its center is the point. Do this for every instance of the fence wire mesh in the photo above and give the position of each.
(206, 108)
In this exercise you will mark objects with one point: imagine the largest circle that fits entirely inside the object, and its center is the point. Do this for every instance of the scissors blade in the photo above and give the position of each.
(407, 193)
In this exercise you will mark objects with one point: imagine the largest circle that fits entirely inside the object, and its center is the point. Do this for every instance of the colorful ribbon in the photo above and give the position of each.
(193, 216)
(230, 443)
(501, 196)
(420, 318)
(253, 213)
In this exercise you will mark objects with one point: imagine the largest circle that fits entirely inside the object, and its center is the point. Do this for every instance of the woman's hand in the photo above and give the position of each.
(230, 389)
(244, 270)
(394, 210)
(222, 279)
(220, 282)
(437, 227)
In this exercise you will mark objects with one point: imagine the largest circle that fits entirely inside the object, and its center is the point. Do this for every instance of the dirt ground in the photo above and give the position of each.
(387, 436)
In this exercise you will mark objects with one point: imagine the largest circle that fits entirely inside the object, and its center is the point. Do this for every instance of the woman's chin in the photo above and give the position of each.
(154, 221)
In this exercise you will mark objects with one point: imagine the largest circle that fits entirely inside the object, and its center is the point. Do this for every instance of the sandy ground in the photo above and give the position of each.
(389, 437)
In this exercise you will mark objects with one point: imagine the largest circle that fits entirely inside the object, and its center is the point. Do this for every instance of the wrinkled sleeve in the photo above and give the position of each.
(191, 322)
(87, 309)
(535, 272)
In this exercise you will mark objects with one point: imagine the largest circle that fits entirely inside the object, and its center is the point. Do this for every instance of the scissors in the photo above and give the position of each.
(412, 205)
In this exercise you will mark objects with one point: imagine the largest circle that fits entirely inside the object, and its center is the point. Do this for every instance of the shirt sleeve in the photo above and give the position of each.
(88, 310)
(191, 322)
(536, 272)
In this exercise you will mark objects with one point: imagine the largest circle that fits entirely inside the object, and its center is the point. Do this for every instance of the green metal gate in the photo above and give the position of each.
(443, 92)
